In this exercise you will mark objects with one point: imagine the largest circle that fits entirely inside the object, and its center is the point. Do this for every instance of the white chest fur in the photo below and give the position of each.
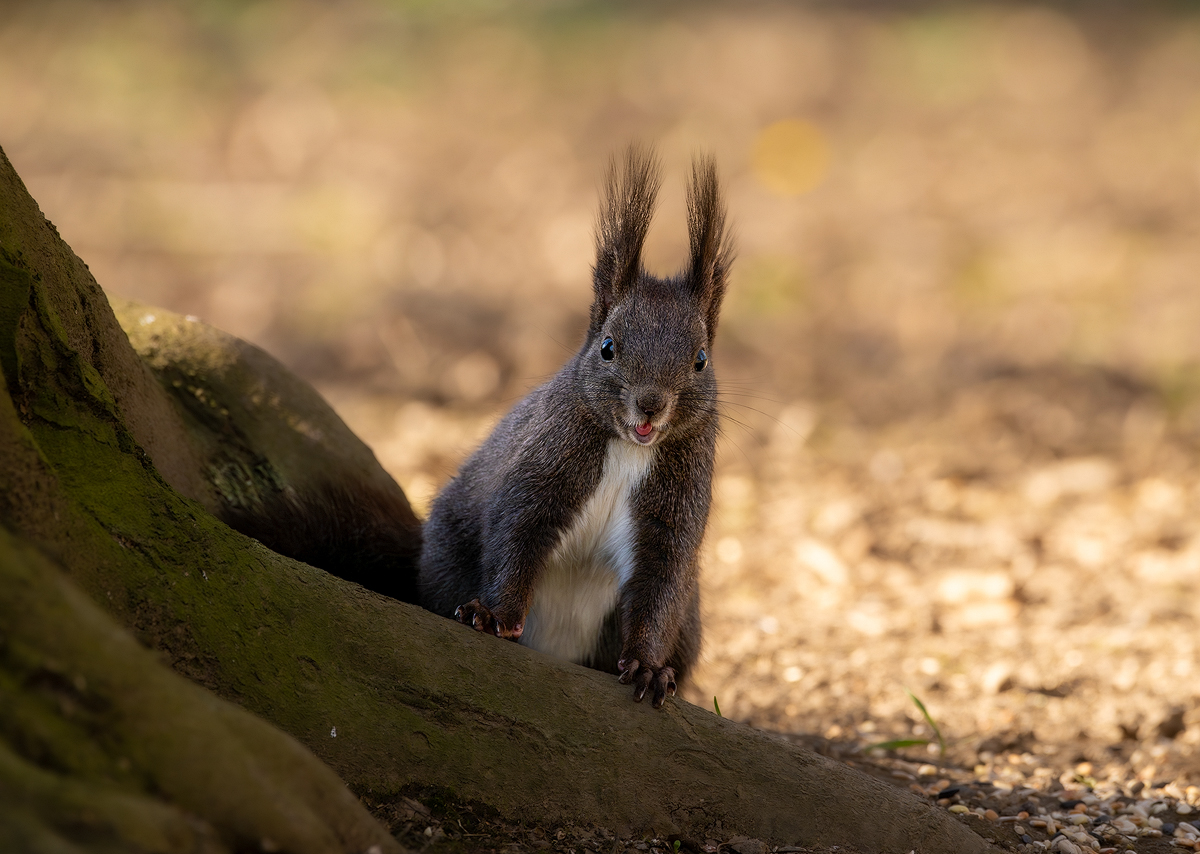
(582, 579)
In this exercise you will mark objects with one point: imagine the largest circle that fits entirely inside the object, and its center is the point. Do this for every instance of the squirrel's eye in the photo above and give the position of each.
(606, 350)
(701, 360)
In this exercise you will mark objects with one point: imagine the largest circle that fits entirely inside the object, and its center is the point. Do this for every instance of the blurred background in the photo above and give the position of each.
(959, 352)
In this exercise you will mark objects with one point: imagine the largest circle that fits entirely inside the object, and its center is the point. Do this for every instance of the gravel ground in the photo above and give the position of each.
(1039, 601)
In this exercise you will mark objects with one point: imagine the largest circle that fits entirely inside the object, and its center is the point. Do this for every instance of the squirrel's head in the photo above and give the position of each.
(647, 356)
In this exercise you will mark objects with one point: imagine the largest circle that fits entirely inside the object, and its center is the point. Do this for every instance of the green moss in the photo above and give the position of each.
(15, 284)
(55, 384)
(103, 747)
(228, 612)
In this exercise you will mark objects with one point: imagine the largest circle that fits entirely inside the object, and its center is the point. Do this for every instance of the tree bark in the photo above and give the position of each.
(102, 466)
(104, 748)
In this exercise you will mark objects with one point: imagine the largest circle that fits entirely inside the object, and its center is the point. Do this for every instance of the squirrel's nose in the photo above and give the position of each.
(651, 403)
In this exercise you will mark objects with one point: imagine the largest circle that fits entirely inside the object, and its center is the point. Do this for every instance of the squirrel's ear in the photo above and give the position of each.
(710, 244)
(630, 187)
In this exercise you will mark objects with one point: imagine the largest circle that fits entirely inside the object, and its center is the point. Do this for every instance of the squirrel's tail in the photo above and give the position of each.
(359, 533)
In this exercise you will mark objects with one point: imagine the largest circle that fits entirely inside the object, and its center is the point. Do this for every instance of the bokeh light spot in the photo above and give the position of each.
(791, 157)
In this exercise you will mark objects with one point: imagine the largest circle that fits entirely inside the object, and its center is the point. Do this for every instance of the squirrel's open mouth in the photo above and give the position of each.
(645, 433)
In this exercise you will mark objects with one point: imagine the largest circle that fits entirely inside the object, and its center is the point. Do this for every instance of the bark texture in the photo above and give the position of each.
(104, 748)
(97, 460)
(276, 461)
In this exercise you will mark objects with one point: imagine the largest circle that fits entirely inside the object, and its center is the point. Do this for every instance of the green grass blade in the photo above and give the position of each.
(897, 744)
(929, 720)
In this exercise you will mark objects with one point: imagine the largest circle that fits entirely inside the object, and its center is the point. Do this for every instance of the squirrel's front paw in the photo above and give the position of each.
(643, 677)
(477, 615)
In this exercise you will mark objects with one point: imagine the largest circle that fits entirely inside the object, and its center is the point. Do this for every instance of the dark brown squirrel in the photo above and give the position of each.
(575, 528)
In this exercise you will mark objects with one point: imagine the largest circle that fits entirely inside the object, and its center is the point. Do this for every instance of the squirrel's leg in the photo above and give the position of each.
(522, 536)
(657, 605)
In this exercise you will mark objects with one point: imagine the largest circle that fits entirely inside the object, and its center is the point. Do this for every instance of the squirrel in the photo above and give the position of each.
(574, 529)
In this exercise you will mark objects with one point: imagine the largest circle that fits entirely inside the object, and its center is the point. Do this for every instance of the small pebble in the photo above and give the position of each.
(991, 815)
(960, 808)
(1168, 827)
(948, 793)
(1183, 809)
(1079, 818)
(1026, 838)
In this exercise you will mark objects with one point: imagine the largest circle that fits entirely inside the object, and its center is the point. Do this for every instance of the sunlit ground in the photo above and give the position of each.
(959, 352)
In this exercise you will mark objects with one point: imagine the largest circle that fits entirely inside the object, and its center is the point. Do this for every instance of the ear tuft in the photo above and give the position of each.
(627, 206)
(710, 243)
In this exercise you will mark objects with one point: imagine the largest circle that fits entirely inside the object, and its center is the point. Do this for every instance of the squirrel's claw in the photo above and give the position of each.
(643, 678)
(476, 615)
